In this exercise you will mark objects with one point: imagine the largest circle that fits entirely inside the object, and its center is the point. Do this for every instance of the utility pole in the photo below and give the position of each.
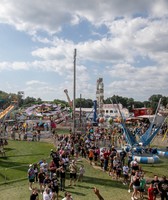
(80, 116)
(74, 92)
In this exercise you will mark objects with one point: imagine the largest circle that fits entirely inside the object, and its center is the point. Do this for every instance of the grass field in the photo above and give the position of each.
(22, 153)
(19, 154)
(62, 131)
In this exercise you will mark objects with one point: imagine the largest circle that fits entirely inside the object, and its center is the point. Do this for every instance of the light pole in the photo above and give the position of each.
(74, 91)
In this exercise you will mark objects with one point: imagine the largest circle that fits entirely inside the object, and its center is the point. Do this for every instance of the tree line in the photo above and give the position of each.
(129, 103)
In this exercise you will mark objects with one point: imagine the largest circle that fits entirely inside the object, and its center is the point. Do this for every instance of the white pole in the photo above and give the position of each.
(74, 91)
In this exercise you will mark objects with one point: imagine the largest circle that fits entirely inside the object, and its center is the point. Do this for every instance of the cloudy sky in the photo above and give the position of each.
(123, 42)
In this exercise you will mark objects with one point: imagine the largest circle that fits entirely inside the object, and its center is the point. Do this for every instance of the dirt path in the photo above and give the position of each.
(158, 141)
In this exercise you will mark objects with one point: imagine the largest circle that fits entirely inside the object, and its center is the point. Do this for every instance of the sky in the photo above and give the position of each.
(123, 42)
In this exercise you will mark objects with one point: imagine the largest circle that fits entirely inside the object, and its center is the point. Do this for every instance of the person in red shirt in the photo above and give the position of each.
(106, 159)
(52, 168)
(151, 192)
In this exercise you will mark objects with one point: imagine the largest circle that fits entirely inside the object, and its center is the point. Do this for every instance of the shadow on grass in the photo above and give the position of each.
(21, 155)
(108, 182)
(3, 158)
(8, 149)
(103, 181)
(77, 193)
(19, 166)
(2, 176)
(10, 182)
(86, 187)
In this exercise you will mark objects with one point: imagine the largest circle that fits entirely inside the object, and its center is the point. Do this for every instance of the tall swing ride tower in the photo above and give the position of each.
(100, 95)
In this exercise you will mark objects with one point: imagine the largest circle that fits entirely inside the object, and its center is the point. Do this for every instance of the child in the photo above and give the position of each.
(150, 192)
(81, 173)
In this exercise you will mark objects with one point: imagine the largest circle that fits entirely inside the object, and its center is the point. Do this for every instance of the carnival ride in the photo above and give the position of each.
(79, 115)
(100, 95)
(6, 111)
(163, 152)
(164, 137)
(69, 100)
(138, 145)
(47, 110)
(3, 116)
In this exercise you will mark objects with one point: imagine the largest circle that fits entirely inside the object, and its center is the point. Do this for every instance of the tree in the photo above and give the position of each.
(61, 102)
(138, 104)
(165, 101)
(154, 100)
(147, 104)
(6, 99)
(39, 101)
(29, 100)
(126, 102)
(84, 103)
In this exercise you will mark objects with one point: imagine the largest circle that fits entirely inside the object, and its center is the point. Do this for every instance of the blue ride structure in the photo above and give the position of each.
(137, 146)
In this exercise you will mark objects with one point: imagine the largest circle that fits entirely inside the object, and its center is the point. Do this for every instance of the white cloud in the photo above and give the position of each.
(35, 82)
(49, 15)
(159, 8)
(130, 41)
(14, 66)
(138, 83)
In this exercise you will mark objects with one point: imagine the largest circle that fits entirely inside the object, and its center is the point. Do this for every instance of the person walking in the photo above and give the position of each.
(155, 182)
(62, 175)
(34, 195)
(81, 173)
(136, 186)
(163, 188)
(91, 156)
(31, 176)
(151, 192)
(142, 186)
(73, 172)
(41, 177)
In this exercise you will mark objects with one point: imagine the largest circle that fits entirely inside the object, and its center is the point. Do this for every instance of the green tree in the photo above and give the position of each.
(39, 101)
(84, 103)
(147, 104)
(165, 101)
(138, 104)
(154, 100)
(126, 102)
(29, 100)
(60, 102)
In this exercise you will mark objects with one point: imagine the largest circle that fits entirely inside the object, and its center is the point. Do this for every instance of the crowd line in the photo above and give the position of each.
(53, 176)
(98, 146)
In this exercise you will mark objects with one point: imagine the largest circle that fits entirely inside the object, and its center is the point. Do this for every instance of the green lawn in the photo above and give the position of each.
(62, 131)
(19, 154)
(22, 153)
(83, 190)
(159, 169)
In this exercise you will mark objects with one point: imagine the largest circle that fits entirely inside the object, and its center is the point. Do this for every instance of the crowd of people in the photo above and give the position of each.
(97, 145)
(20, 131)
(52, 176)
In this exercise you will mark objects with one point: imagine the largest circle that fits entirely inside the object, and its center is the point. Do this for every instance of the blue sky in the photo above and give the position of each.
(125, 44)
